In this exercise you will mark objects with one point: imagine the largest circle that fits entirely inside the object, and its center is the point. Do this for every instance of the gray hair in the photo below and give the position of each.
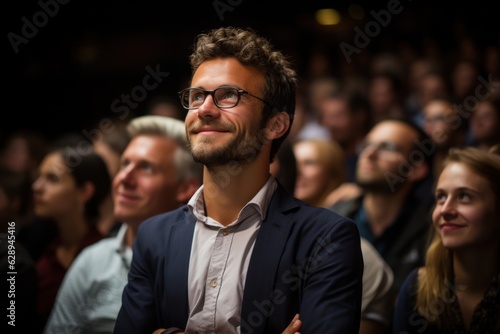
(173, 129)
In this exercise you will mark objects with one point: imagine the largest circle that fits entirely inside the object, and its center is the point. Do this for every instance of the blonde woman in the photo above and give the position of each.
(458, 289)
(320, 170)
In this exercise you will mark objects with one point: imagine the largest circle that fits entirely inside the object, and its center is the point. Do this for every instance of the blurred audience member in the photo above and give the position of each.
(37, 233)
(157, 174)
(417, 70)
(458, 289)
(22, 151)
(389, 213)
(347, 117)
(445, 127)
(320, 170)
(69, 190)
(306, 121)
(464, 80)
(485, 123)
(431, 86)
(386, 95)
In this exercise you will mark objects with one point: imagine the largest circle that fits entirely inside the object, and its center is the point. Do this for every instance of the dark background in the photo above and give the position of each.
(89, 53)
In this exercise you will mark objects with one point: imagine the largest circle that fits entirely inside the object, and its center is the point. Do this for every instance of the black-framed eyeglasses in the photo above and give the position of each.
(224, 97)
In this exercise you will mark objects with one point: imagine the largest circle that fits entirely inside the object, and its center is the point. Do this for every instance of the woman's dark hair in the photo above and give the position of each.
(89, 167)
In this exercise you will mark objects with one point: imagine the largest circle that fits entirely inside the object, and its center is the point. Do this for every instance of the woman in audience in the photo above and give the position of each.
(458, 289)
(446, 128)
(485, 123)
(320, 169)
(68, 191)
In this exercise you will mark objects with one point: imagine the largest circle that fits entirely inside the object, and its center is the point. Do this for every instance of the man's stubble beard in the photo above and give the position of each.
(375, 185)
(240, 149)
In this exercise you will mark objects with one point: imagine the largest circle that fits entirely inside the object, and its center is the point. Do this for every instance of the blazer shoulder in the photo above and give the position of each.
(165, 221)
(323, 214)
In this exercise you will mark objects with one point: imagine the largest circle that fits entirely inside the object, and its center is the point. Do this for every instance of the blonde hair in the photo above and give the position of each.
(332, 159)
(437, 278)
(173, 129)
(168, 127)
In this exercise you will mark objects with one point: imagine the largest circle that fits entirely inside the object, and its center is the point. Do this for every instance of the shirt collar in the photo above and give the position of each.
(120, 242)
(259, 202)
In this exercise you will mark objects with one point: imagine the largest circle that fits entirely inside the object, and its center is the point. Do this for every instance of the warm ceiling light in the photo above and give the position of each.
(327, 17)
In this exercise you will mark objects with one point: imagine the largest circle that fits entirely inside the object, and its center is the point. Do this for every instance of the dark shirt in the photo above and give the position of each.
(51, 272)
(403, 244)
(408, 321)
(350, 163)
(384, 242)
(36, 236)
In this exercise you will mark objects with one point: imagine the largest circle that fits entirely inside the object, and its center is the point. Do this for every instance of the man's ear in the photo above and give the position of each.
(278, 124)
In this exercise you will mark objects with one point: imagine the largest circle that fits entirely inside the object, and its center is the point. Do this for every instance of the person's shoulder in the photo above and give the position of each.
(410, 283)
(346, 206)
(97, 252)
(376, 270)
(370, 253)
(99, 246)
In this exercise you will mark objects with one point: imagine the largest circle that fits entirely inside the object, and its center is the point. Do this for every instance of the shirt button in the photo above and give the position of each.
(213, 283)
(225, 232)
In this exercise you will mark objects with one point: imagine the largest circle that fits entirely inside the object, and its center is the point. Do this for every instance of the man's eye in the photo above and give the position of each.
(197, 96)
(228, 95)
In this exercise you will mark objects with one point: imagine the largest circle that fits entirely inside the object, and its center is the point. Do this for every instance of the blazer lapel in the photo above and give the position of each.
(176, 269)
(266, 256)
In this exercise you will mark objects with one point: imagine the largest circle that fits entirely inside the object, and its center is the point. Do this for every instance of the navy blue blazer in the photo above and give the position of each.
(305, 260)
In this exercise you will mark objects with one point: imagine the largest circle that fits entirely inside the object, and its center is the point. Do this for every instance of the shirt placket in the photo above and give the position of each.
(216, 268)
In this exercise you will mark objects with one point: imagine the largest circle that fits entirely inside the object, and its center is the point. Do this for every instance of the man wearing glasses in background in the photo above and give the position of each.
(393, 213)
(243, 256)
